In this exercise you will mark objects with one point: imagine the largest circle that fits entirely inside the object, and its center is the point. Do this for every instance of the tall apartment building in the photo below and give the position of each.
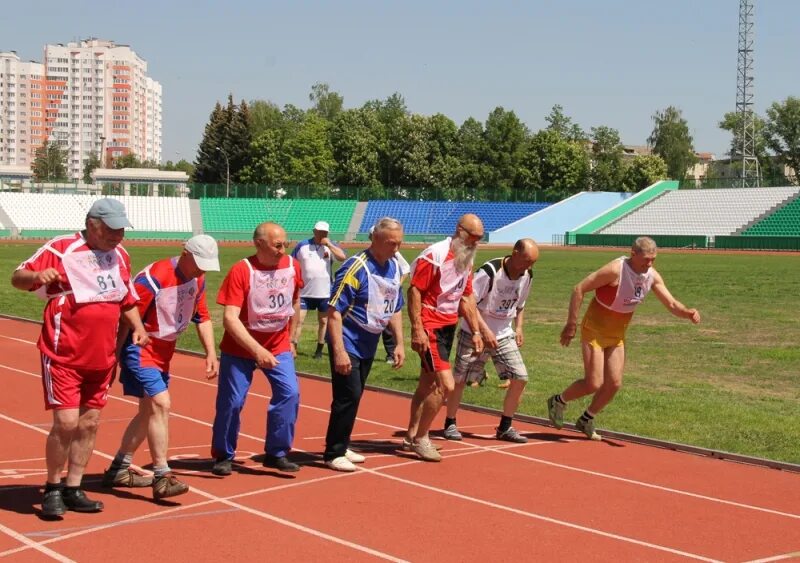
(91, 97)
(22, 101)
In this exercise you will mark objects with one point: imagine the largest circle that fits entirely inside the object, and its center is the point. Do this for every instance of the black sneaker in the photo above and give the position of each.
(222, 467)
(318, 355)
(281, 463)
(53, 504)
(77, 501)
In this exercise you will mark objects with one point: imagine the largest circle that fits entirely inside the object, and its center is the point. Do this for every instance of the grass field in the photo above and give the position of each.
(731, 383)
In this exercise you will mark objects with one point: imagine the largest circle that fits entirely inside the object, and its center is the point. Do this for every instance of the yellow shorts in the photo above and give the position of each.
(602, 328)
(597, 340)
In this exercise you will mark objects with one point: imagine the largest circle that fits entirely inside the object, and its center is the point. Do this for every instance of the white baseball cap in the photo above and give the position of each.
(205, 252)
(322, 226)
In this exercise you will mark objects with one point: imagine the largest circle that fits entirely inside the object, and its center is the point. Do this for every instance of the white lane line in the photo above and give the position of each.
(541, 517)
(590, 472)
(351, 435)
(412, 483)
(23, 460)
(781, 557)
(261, 514)
(34, 545)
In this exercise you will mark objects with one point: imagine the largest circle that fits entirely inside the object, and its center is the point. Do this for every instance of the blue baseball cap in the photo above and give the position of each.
(111, 212)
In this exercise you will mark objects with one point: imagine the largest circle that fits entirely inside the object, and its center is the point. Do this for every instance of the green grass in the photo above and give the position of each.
(732, 383)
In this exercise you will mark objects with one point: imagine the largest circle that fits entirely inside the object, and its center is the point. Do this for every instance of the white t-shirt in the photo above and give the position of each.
(499, 304)
(315, 265)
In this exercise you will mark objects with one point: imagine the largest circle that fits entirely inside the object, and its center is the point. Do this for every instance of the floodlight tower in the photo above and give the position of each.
(746, 151)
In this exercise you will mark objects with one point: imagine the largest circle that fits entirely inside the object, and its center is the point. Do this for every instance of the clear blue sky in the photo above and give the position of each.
(611, 62)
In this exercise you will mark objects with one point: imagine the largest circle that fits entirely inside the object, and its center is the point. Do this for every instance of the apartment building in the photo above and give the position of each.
(90, 97)
(22, 109)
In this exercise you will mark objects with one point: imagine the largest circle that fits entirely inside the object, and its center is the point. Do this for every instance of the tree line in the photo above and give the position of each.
(382, 145)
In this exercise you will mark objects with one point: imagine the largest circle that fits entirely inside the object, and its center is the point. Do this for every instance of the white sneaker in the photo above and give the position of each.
(341, 463)
(353, 457)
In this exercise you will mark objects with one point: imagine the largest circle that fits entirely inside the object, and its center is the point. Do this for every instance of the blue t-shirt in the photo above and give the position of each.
(350, 295)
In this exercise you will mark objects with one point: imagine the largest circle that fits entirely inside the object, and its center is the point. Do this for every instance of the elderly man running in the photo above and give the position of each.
(619, 287)
(440, 291)
(501, 288)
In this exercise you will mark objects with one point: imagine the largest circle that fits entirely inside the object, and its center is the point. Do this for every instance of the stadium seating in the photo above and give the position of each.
(48, 214)
(701, 212)
(440, 217)
(783, 222)
(295, 215)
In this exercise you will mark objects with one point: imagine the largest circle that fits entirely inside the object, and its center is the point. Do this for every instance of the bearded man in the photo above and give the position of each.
(440, 292)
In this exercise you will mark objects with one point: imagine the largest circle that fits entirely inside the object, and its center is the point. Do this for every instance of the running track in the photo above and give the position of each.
(559, 497)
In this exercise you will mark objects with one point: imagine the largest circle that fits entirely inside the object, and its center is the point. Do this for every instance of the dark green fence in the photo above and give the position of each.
(664, 241)
(361, 193)
(728, 182)
(733, 242)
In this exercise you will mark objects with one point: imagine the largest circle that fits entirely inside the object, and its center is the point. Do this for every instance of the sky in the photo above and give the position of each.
(612, 62)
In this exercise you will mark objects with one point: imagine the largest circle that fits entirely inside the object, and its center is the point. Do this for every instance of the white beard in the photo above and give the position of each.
(463, 255)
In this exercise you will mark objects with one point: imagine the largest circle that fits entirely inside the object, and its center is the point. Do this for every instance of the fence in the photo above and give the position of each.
(733, 182)
(366, 193)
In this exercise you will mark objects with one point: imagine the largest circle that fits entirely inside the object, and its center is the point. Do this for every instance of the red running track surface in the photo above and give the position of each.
(559, 497)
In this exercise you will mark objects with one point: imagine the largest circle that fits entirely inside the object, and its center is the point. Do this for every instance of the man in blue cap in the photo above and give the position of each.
(85, 278)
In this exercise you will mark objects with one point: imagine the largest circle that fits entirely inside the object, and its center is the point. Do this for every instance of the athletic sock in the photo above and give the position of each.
(121, 462)
(505, 423)
(448, 422)
(587, 416)
(160, 470)
(48, 486)
(319, 348)
(560, 400)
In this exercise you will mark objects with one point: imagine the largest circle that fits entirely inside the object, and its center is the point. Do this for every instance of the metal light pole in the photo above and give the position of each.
(227, 172)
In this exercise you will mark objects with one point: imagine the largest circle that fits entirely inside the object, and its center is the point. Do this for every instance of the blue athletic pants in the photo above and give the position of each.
(235, 378)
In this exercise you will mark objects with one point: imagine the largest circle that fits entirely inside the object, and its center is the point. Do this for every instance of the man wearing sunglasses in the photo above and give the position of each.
(501, 287)
(440, 292)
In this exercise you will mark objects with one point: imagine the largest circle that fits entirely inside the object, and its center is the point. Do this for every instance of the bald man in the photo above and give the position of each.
(440, 291)
(261, 297)
(501, 288)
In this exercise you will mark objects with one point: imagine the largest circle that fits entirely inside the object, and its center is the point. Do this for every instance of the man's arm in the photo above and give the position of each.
(673, 305)
(337, 252)
(518, 332)
(205, 332)
(419, 338)
(294, 320)
(468, 309)
(233, 325)
(396, 326)
(28, 279)
(130, 316)
(341, 359)
(606, 275)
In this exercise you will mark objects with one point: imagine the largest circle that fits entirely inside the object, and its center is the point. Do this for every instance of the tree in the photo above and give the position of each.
(50, 163)
(643, 171)
(392, 115)
(355, 138)
(92, 163)
(731, 122)
(555, 164)
(308, 155)
(671, 141)
(782, 132)
(475, 174)
(607, 167)
(264, 116)
(505, 138)
(210, 164)
(326, 103)
(128, 160)
(560, 123)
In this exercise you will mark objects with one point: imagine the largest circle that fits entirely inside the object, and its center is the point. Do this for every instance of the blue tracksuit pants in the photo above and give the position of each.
(235, 378)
